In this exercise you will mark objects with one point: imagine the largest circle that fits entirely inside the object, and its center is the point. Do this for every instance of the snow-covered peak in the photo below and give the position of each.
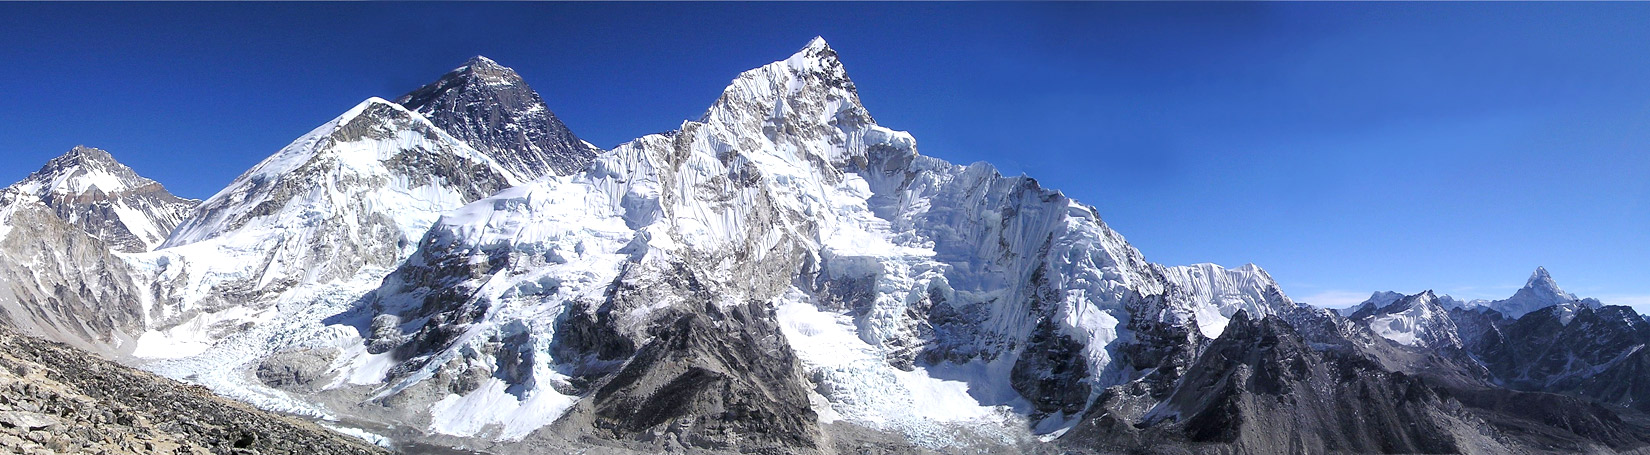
(1213, 294)
(1377, 300)
(490, 107)
(817, 43)
(374, 144)
(81, 171)
(1417, 320)
(811, 87)
(1541, 283)
(891, 270)
(88, 188)
(1540, 291)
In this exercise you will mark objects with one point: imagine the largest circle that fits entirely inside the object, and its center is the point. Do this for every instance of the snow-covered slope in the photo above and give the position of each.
(490, 107)
(298, 238)
(1214, 294)
(87, 188)
(781, 275)
(919, 297)
(1417, 320)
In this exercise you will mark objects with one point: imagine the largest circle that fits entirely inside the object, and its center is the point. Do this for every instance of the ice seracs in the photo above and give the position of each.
(1214, 294)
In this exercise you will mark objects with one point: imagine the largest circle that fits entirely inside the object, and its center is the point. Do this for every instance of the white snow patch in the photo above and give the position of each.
(858, 385)
(493, 404)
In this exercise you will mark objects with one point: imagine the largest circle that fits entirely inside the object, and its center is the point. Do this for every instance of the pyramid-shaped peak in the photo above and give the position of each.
(494, 110)
(1541, 278)
(817, 56)
(81, 156)
(87, 188)
(818, 43)
(81, 170)
(1542, 283)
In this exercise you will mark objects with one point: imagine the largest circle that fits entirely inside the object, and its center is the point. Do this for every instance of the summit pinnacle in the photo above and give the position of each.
(491, 108)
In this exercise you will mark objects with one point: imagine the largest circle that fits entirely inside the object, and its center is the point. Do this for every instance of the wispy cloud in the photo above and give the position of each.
(1334, 299)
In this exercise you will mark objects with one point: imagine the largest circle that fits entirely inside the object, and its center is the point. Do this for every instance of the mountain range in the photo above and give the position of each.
(457, 269)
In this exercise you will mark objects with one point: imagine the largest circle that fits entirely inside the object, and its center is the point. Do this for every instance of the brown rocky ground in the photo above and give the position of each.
(58, 399)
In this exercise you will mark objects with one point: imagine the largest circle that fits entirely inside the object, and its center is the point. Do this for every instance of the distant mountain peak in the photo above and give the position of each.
(81, 170)
(1540, 291)
(1418, 320)
(492, 109)
(89, 189)
(1540, 279)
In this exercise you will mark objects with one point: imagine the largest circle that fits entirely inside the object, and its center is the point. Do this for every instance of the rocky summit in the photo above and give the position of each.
(455, 271)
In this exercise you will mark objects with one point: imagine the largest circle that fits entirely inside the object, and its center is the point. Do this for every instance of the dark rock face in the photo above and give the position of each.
(297, 370)
(719, 379)
(1259, 386)
(90, 190)
(1263, 388)
(491, 108)
(1573, 348)
(1479, 328)
(56, 399)
(1553, 423)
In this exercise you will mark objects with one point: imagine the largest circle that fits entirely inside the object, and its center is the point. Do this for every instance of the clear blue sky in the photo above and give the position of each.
(1344, 147)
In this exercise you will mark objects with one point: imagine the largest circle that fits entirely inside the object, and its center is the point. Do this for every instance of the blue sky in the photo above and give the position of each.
(1346, 148)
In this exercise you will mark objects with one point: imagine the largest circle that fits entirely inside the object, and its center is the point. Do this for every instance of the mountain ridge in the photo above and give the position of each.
(783, 275)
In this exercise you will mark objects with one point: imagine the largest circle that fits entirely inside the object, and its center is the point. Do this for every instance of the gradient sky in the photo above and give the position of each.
(1346, 148)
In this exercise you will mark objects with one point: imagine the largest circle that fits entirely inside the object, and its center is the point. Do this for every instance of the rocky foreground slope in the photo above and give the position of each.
(58, 399)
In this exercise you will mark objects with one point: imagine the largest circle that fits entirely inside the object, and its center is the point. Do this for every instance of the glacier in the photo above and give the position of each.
(437, 285)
